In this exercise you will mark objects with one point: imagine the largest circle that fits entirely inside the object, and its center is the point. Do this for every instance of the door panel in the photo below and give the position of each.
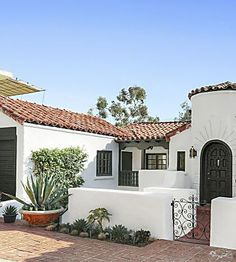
(216, 171)
(126, 161)
(8, 161)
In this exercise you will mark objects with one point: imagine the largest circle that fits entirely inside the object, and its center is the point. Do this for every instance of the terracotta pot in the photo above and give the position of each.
(41, 218)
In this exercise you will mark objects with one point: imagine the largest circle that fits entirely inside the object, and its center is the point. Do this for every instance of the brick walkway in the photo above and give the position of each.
(23, 243)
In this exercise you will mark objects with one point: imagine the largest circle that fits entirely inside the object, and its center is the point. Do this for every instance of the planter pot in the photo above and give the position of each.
(41, 218)
(9, 218)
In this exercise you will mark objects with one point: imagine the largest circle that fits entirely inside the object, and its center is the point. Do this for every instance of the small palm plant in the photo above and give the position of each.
(99, 216)
(43, 192)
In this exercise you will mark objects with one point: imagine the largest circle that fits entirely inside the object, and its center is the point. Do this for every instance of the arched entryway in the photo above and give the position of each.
(216, 171)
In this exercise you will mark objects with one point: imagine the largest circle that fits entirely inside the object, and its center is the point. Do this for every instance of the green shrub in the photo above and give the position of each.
(64, 164)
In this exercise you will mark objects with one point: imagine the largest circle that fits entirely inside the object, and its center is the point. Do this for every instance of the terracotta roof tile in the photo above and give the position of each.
(23, 111)
(154, 131)
(222, 86)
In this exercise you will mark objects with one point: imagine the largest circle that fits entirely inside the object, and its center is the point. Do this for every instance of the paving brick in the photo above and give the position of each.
(20, 242)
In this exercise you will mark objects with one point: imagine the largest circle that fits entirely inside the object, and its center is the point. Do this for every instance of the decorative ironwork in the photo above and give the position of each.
(128, 178)
(191, 222)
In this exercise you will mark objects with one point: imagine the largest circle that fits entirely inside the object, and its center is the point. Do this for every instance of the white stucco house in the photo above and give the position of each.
(202, 152)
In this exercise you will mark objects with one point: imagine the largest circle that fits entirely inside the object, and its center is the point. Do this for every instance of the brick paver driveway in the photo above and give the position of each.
(23, 243)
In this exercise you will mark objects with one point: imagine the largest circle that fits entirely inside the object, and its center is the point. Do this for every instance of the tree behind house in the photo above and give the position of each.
(185, 114)
(128, 107)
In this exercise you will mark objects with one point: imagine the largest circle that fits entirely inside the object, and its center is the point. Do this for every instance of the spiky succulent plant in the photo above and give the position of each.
(43, 193)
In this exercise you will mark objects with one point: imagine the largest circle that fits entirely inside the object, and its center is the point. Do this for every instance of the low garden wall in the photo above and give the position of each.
(177, 193)
(223, 217)
(164, 179)
(135, 210)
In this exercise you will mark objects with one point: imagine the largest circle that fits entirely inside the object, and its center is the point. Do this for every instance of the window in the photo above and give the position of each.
(104, 163)
(180, 161)
(156, 161)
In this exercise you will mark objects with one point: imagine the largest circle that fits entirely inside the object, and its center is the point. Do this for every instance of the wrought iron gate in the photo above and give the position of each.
(191, 222)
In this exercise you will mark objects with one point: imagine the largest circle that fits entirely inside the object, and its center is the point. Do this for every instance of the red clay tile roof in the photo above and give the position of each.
(22, 111)
(219, 87)
(154, 131)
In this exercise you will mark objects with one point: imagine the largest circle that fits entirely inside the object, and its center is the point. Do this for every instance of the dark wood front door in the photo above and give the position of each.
(8, 161)
(216, 172)
(126, 161)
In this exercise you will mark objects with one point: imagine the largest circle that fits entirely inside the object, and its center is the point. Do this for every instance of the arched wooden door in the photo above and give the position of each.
(216, 171)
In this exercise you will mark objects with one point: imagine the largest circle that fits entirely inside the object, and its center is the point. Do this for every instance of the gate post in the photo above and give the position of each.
(173, 217)
(193, 216)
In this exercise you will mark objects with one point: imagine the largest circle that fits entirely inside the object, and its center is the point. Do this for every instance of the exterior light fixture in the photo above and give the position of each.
(192, 152)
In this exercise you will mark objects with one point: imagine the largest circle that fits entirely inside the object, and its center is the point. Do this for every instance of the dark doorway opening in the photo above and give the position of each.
(216, 171)
(8, 161)
(126, 161)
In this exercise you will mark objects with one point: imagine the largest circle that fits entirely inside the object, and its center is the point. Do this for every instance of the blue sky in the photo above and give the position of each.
(79, 50)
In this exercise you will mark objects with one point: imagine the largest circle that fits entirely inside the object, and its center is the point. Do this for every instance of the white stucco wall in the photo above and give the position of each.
(36, 137)
(153, 211)
(213, 118)
(223, 217)
(6, 121)
(164, 179)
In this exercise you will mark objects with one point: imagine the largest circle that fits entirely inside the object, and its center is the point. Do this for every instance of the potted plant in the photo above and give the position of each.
(46, 198)
(9, 214)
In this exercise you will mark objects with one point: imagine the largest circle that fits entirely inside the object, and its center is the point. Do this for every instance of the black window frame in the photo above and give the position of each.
(158, 165)
(181, 166)
(104, 163)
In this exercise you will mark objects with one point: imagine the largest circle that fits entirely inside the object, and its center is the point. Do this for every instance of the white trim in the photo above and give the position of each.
(54, 211)
(103, 177)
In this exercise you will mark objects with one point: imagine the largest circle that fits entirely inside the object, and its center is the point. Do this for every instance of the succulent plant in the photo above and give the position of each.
(81, 225)
(43, 192)
(120, 234)
(10, 211)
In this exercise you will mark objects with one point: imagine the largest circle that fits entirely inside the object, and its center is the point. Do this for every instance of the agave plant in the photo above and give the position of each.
(98, 216)
(43, 193)
(10, 211)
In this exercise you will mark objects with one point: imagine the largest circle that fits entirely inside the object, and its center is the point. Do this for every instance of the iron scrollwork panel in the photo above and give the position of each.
(189, 222)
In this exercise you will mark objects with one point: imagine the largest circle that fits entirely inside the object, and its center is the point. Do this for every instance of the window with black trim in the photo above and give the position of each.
(180, 161)
(156, 161)
(104, 163)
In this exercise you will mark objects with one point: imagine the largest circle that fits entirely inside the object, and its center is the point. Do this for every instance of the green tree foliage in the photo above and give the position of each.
(64, 164)
(185, 114)
(129, 107)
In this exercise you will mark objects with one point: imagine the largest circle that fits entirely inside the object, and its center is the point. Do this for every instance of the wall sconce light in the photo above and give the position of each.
(192, 152)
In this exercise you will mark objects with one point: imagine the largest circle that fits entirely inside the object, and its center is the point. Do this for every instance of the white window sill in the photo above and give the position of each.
(103, 177)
